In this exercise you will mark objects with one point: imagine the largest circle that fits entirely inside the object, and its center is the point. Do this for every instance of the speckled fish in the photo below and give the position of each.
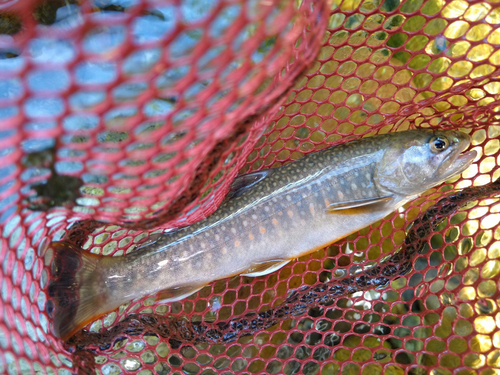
(269, 218)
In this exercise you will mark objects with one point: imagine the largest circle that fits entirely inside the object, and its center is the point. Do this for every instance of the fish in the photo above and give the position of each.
(180, 331)
(269, 218)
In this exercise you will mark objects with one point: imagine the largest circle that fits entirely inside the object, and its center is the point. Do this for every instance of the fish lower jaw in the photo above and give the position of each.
(459, 165)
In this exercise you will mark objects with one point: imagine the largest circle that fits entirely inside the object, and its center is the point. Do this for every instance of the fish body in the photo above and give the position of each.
(274, 216)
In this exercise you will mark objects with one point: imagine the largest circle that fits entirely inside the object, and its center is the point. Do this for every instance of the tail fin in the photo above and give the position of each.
(76, 293)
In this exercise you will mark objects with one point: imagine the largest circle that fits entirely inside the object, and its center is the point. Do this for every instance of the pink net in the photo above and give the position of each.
(119, 119)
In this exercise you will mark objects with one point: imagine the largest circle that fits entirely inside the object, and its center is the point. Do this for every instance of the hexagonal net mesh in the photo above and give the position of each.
(120, 118)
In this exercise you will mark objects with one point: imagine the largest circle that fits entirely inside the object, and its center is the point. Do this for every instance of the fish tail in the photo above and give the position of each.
(77, 294)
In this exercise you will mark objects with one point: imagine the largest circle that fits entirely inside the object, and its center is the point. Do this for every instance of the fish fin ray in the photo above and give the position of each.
(176, 294)
(242, 183)
(338, 206)
(161, 240)
(153, 238)
(75, 296)
(261, 269)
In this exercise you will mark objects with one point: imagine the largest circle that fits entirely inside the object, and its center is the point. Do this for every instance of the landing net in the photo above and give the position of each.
(122, 118)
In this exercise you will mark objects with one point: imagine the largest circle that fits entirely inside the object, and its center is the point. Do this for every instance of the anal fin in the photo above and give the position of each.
(264, 268)
(176, 294)
(338, 206)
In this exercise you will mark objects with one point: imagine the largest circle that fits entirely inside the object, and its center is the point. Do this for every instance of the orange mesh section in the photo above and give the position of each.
(138, 114)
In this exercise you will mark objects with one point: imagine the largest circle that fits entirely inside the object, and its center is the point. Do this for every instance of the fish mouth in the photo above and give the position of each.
(457, 161)
(461, 163)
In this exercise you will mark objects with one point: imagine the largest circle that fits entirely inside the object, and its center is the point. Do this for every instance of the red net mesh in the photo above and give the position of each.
(139, 114)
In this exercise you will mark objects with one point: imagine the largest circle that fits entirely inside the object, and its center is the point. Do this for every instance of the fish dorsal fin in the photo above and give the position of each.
(264, 268)
(338, 206)
(241, 183)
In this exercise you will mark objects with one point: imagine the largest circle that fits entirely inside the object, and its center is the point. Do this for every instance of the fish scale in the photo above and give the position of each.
(273, 216)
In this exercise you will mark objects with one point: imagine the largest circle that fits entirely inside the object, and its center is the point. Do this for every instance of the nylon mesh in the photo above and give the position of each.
(139, 114)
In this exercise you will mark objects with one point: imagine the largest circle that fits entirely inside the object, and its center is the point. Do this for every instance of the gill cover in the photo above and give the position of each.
(418, 160)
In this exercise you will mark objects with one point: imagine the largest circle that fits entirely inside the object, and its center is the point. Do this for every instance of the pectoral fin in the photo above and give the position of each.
(261, 269)
(176, 294)
(337, 206)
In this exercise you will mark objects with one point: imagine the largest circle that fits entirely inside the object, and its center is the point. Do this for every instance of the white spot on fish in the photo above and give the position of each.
(233, 230)
(254, 217)
(288, 198)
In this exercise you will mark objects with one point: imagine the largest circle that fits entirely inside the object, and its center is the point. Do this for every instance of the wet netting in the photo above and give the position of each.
(123, 118)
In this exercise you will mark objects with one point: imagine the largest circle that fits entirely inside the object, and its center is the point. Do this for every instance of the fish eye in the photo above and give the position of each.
(438, 144)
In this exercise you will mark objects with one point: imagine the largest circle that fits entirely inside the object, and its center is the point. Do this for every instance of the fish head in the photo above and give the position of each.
(417, 160)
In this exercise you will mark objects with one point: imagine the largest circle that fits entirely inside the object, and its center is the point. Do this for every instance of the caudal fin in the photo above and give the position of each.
(76, 292)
